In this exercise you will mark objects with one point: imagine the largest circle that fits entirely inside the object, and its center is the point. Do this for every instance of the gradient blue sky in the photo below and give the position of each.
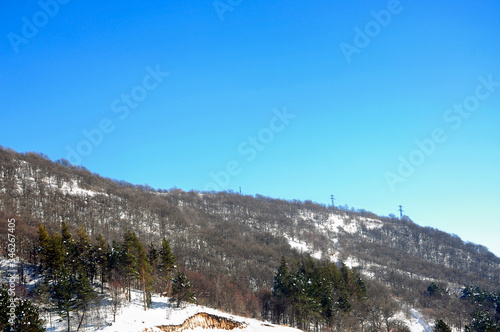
(227, 78)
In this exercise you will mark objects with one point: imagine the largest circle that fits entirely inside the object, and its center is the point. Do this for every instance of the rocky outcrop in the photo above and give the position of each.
(204, 320)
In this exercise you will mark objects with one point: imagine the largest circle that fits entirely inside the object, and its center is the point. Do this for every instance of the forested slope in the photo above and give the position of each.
(231, 245)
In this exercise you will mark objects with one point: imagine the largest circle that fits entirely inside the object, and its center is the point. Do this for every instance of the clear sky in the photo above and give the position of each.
(380, 103)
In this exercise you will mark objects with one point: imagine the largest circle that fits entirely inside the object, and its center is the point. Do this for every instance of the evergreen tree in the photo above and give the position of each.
(84, 294)
(54, 256)
(167, 258)
(136, 264)
(143, 272)
(153, 255)
(83, 254)
(70, 252)
(101, 254)
(65, 234)
(482, 322)
(181, 289)
(44, 239)
(281, 291)
(70, 292)
(26, 319)
(315, 293)
(63, 295)
(114, 258)
(128, 260)
(441, 326)
(166, 265)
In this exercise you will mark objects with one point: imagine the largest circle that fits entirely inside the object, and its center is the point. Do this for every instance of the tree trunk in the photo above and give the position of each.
(81, 321)
(102, 282)
(144, 297)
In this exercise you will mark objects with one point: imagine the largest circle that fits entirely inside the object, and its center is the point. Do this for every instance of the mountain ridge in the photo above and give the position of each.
(244, 236)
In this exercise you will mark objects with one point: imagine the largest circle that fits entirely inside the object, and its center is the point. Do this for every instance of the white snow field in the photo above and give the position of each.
(132, 318)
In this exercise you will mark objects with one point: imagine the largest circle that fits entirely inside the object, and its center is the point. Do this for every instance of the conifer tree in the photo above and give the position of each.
(63, 295)
(54, 259)
(153, 254)
(26, 318)
(166, 265)
(83, 254)
(281, 290)
(44, 239)
(84, 293)
(181, 289)
(441, 326)
(65, 233)
(70, 253)
(136, 264)
(128, 260)
(143, 271)
(101, 254)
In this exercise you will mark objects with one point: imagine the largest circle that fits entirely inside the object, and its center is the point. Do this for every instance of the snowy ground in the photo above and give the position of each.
(133, 318)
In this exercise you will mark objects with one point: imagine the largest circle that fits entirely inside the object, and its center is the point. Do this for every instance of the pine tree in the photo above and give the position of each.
(281, 290)
(26, 318)
(166, 265)
(54, 257)
(70, 252)
(70, 292)
(441, 326)
(136, 264)
(101, 254)
(144, 271)
(84, 293)
(482, 322)
(181, 289)
(128, 260)
(153, 254)
(65, 233)
(44, 239)
(82, 254)
(63, 295)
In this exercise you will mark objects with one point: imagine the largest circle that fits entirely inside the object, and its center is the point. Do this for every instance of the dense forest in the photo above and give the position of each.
(239, 253)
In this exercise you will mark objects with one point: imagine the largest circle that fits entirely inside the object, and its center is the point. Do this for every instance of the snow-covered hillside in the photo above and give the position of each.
(132, 318)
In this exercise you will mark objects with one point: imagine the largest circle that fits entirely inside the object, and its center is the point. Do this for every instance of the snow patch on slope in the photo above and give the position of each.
(133, 318)
(304, 247)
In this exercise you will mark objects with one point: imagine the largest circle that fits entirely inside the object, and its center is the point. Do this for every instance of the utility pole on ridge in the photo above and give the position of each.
(400, 212)
(332, 200)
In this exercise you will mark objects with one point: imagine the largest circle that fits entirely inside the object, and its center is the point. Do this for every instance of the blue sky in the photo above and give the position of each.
(379, 103)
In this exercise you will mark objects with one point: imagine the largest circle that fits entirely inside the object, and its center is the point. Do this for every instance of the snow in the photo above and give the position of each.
(352, 262)
(300, 246)
(304, 247)
(74, 189)
(413, 319)
(334, 222)
(133, 318)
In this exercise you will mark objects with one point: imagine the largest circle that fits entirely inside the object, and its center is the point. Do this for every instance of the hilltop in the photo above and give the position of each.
(230, 245)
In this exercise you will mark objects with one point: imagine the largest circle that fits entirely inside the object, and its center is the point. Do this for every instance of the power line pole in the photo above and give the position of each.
(400, 212)
(332, 200)
(240, 190)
